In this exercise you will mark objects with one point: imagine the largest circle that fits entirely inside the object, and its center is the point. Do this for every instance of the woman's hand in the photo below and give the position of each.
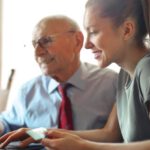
(58, 140)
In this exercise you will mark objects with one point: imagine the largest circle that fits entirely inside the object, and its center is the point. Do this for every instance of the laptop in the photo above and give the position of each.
(33, 146)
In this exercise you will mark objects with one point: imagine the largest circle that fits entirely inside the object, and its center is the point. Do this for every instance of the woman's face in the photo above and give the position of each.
(103, 38)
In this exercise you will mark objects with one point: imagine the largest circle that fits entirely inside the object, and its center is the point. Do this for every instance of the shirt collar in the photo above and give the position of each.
(77, 80)
(53, 84)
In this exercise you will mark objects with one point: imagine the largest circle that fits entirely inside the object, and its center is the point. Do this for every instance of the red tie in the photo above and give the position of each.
(65, 113)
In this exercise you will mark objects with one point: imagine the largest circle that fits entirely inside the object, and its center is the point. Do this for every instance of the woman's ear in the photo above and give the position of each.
(129, 29)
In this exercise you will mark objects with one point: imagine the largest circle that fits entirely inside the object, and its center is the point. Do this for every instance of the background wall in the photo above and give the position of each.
(0, 38)
(18, 20)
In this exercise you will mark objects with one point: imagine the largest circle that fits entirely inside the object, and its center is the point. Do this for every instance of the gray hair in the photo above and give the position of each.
(72, 23)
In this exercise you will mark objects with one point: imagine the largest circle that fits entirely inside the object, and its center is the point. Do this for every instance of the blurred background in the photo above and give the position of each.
(17, 20)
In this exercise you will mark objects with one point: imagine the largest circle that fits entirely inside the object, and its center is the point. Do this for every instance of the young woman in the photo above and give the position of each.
(116, 33)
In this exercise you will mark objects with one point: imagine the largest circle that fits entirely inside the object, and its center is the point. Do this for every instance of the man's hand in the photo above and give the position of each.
(17, 135)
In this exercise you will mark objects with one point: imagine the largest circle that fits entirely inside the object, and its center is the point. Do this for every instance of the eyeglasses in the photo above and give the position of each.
(45, 42)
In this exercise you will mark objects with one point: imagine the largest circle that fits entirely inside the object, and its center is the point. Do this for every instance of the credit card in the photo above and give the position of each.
(37, 134)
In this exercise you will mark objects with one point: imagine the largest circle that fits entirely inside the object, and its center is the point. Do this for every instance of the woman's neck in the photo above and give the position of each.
(132, 60)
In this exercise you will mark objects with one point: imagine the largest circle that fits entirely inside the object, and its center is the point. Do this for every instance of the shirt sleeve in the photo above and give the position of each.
(144, 80)
(13, 118)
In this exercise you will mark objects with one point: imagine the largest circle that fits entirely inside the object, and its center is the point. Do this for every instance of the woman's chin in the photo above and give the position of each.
(101, 64)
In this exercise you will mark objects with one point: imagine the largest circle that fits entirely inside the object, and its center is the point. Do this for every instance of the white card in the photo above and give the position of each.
(37, 134)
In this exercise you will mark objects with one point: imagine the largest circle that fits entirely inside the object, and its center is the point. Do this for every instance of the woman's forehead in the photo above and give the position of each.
(91, 17)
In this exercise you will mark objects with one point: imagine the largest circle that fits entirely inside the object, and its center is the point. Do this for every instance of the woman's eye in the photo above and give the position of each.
(92, 32)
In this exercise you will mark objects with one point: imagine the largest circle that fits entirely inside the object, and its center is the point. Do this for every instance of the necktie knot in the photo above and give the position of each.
(62, 90)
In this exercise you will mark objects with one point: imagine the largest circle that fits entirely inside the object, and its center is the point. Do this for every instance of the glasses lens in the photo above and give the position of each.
(45, 41)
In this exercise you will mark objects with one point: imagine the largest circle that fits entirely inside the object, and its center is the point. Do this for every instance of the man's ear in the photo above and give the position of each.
(128, 29)
(79, 40)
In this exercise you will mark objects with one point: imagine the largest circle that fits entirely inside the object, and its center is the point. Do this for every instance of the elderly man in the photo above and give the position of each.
(57, 41)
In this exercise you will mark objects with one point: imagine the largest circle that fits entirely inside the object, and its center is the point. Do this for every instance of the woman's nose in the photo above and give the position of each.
(88, 44)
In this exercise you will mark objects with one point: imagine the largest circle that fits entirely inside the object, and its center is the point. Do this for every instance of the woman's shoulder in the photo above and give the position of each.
(143, 66)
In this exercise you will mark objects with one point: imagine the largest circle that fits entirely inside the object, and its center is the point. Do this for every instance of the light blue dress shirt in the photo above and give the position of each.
(92, 94)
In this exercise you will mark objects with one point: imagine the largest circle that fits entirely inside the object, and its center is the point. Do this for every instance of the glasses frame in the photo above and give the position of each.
(45, 42)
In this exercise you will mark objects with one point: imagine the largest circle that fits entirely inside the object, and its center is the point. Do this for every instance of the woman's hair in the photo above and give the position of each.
(120, 10)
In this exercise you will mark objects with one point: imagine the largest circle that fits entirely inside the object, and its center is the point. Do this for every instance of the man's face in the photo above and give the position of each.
(55, 48)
